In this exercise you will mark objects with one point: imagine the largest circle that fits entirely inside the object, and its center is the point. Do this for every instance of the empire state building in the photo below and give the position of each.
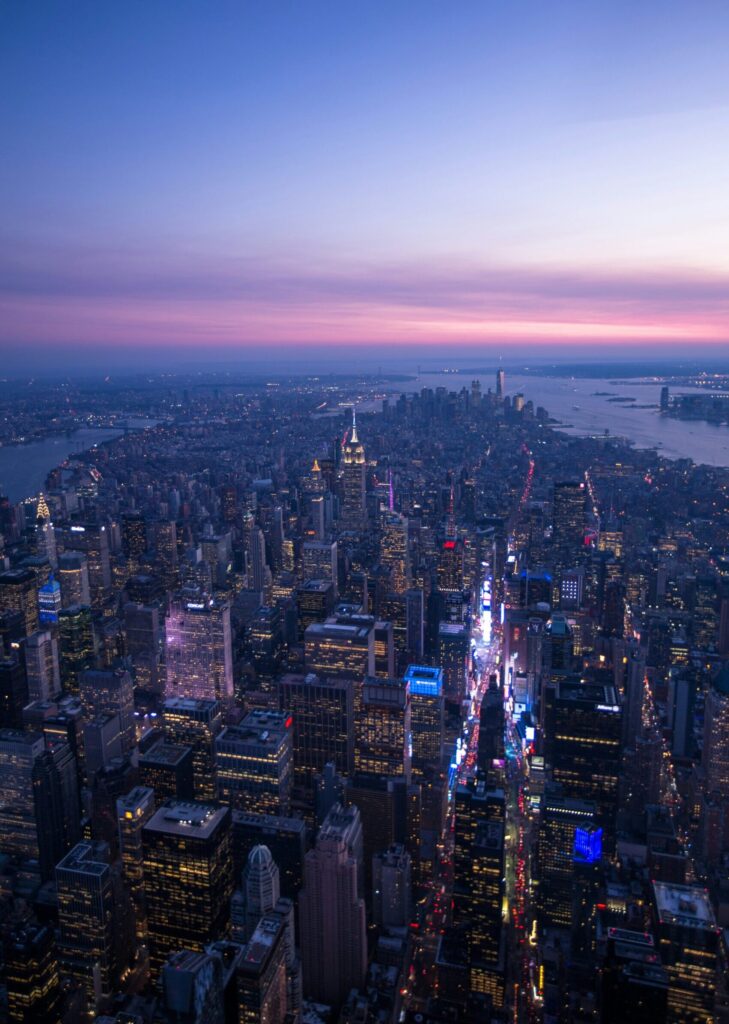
(354, 509)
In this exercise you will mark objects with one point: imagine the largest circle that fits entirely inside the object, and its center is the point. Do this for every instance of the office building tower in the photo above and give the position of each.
(284, 837)
(391, 887)
(715, 756)
(450, 567)
(426, 717)
(133, 811)
(33, 798)
(50, 602)
(73, 576)
(319, 561)
(688, 940)
(394, 551)
(165, 542)
(500, 383)
(454, 656)
(344, 651)
(195, 724)
(261, 974)
(102, 744)
(332, 917)
(76, 648)
(18, 594)
(354, 465)
(314, 602)
(13, 692)
(383, 729)
(384, 649)
(110, 692)
(133, 536)
(266, 644)
(256, 567)
(560, 819)
(188, 876)
(141, 629)
(585, 745)
(258, 895)
(193, 989)
(198, 650)
(167, 768)
(414, 624)
(93, 540)
(31, 975)
(254, 763)
(42, 667)
(87, 919)
(483, 910)
(568, 523)
(45, 535)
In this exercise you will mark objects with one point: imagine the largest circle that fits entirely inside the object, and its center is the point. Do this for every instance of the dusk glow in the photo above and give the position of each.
(226, 177)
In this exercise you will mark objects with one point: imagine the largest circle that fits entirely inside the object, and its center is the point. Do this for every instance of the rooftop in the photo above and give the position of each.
(187, 818)
(685, 905)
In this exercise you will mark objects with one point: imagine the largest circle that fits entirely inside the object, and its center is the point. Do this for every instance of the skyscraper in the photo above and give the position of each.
(394, 553)
(569, 516)
(87, 919)
(42, 666)
(688, 940)
(133, 811)
(44, 533)
(254, 763)
(426, 717)
(500, 383)
(188, 876)
(354, 510)
(195, 724)
(259, 893)
(332, 916)
(18, 593)
(198, 651)
(110, 692)
(383, 729)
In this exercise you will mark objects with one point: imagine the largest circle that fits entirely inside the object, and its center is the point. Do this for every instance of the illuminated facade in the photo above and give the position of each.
(688, 939)
(133, 811)
(75, 644)
(87, 921)
(31, 975)
(426, 717)
(42, 666)
(354, 510)
(18, 594)
(394, 553)
(196, 723)
(454, 655)
(168, 769)
(188, 876)
(323, 723)
(383, 729)
(73, 575)
(261, 975)
(198, 651)
(254, 763)
(335, 649)
(110, 692)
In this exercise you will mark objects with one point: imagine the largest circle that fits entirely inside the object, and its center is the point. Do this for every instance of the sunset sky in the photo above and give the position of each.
(223, 176)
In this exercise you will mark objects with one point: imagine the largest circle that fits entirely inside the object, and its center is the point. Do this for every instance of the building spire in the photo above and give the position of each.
(354, 437)
(42, 510)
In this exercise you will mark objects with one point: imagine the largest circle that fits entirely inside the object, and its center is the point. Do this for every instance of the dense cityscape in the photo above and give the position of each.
(326, 704)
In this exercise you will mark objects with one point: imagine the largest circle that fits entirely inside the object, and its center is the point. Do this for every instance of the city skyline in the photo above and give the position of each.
(355, 180)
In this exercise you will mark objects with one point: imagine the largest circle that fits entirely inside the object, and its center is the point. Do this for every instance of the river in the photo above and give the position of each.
(24, 467)
(574, 402)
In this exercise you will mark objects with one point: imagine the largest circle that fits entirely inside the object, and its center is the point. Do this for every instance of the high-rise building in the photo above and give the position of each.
(254, 763)
(426, 717)
(262, 974)
(133, 811)
(319, 561)
(392, 887)
(73, 575)
(45, 535)
(338, 649)
(18, 593)
(31, 975)
(42, 668)
(87, 918)
(198, 650)
(168, 769)
(133, 535)
(383, 729)
(258, 571)
(284, 837)
(75, 644)
(569, 516)
(13, 692)
(584, 737)
(715, 756)
(354, 464)
(332, 917)
(50, 602)
(188, 876)
(195, 724)
(110, 692)
(193, 989)
(394, 551)
(500, 383)
(258, 895)
(93, 540)
(454, 654)
(688, 940)
(559, 820)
